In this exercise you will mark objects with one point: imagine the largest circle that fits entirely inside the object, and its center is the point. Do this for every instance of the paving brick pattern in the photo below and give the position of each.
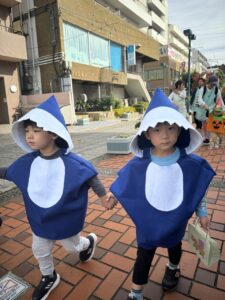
(108, 275)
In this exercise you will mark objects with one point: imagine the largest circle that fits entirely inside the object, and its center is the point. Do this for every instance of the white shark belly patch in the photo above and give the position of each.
(164, 186)
(46, 181)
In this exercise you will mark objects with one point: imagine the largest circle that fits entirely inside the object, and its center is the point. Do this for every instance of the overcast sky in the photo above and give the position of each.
(206, 19)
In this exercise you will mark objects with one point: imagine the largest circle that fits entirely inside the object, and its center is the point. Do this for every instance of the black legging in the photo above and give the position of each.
(144, 259)
(197, 122)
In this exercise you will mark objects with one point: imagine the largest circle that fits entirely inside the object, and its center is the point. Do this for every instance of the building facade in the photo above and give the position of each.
(199, 61)
(149, 16)
(158, 10)
(173, 62)
(12, 51)
(97, 49)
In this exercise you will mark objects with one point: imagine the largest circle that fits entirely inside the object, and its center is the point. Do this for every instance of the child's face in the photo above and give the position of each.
(163, 137)
(41, 140)
(182, 86)
(200, 82)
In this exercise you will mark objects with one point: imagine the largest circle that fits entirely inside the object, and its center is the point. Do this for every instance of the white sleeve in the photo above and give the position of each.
(171, 96)
(183, 93)
(200, 96)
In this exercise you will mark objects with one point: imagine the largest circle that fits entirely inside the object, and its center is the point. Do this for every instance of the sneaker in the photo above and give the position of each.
(170, 279)
(46, 285)
(206, 142)
(87, 254)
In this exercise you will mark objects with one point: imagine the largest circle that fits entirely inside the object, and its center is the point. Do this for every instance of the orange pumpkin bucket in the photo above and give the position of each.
(216, 124)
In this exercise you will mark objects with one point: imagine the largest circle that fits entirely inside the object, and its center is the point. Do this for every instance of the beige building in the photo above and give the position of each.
(87, 45)
(12, 51)
(173, 62)
(199, 61)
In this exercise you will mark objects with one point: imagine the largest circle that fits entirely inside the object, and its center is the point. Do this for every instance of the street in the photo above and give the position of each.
(88, 142)
(116, 250)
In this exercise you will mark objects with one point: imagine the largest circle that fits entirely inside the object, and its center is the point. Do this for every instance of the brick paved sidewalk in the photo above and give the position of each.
(108, 275)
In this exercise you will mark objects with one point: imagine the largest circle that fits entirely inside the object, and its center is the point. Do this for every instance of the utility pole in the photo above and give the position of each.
(191, 37)
(164, 65)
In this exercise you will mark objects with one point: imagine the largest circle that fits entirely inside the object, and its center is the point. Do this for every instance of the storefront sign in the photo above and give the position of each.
(131, 55)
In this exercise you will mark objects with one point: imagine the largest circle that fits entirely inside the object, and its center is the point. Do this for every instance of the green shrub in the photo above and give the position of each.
(103, 104)
(141, 106)
(138, 108)
(144, 104)
(120, 111)
(116, 103)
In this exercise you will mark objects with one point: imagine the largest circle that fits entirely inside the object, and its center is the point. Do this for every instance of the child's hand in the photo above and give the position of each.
(112, 200)
(205, 223)
(108, 201)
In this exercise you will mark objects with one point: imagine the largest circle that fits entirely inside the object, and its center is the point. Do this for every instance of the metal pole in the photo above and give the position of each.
(163, 65)
(189, 74)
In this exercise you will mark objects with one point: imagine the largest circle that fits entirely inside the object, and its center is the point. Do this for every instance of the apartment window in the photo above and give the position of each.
(76, 44)
(99, 51)
(116, 59)
(153, 74)
(84, 47)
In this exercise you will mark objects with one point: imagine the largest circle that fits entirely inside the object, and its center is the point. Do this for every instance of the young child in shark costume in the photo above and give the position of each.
(54, 183)
(161, 187)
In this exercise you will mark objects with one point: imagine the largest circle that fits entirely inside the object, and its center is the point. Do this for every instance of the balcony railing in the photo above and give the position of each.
(10, 29)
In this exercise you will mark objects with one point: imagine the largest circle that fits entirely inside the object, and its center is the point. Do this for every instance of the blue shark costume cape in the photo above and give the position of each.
(161, 199)
(54, 190)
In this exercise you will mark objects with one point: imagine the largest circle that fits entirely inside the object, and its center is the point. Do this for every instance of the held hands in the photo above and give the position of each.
(108, 201)
(205, 223)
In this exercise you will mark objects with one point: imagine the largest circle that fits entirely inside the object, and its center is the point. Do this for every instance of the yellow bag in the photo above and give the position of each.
(202, 244)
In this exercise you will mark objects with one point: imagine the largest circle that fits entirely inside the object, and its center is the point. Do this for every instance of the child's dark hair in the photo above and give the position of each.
(183, 140)
(61, 143)
(28, 122)
(178, 83)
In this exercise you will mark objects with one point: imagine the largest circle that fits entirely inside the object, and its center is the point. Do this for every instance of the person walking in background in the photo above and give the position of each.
(197, 104)
(161, 187)
(211, 98)
(178, 97)
(215, 124)
(54, 183)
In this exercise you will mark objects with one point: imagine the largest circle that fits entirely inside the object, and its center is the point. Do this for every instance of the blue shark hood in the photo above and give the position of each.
(160, 110)
(48, 116)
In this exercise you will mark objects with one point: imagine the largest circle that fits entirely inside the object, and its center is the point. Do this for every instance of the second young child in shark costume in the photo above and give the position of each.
(161, 187)
(54, 183)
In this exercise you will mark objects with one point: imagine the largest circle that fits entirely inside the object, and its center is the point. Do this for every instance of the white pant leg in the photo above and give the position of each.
(75, 243)
(42, 250)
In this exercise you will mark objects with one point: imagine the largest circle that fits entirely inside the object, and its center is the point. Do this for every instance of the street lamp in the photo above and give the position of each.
(164, 65)
(191, 37)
